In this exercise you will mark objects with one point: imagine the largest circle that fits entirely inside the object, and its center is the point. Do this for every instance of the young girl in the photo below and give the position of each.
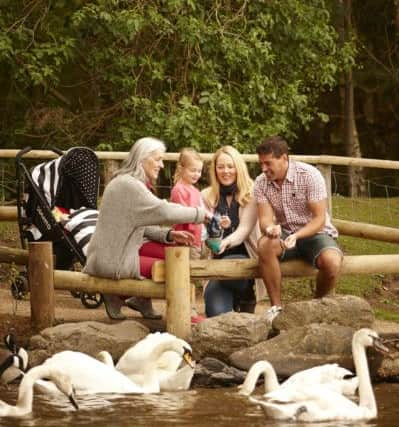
(188, 172)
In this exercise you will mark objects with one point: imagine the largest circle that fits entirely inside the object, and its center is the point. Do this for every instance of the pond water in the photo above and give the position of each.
(195, 408)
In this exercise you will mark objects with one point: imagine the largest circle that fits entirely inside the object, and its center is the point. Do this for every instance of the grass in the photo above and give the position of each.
(379, 211)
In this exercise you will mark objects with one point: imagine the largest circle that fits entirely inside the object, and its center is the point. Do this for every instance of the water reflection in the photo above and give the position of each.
(194, 408)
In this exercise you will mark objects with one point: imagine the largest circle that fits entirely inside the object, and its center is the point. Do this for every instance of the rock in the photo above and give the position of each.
(345, 310)
(387, 366)
(300, 348)
(222, 335)
(88, 337)
(212, 372)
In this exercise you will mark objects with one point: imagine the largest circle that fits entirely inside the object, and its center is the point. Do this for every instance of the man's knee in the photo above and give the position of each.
(268, 247)
(330, 262)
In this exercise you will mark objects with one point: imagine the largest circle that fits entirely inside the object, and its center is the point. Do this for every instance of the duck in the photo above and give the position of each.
(330, 375)
(14, 371)
(156, 359)
(25, 392)
(90, 376)
(318, 403)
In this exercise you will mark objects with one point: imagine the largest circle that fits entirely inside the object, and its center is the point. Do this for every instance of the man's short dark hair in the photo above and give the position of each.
(276, 145)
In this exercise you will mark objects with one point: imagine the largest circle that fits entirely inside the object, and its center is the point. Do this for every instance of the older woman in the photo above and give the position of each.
(128, 237)
(230, 194)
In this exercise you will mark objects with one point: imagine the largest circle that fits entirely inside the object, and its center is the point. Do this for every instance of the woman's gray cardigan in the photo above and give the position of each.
(130, 215)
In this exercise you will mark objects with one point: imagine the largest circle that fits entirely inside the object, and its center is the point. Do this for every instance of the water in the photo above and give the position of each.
(194, 408)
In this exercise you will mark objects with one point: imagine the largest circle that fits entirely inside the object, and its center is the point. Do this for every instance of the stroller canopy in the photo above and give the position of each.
(70, 181)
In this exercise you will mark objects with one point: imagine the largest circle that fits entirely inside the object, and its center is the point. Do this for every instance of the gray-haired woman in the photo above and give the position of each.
(128, 237)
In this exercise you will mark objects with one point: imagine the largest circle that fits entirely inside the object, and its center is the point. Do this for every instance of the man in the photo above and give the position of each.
(292, 209)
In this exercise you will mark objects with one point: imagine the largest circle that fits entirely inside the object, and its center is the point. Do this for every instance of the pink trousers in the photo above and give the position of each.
(149, 253)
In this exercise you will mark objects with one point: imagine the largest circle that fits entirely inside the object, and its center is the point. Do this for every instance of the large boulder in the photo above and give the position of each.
(344, 310)
(222, 335)
(300, 348)
(87, 337)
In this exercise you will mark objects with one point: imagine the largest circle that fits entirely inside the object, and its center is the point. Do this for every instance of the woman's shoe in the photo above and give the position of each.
(113, 305)
(144, 306)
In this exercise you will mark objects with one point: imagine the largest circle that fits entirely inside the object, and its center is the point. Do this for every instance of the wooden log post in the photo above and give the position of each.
(178, 291)
(110, 166)
(40, 277)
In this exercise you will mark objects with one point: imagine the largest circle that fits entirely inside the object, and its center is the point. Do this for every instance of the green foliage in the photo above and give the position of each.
(193, 73)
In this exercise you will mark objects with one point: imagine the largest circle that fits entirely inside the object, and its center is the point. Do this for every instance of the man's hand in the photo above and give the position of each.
(182, 238)
(290, 241)
(273, 231)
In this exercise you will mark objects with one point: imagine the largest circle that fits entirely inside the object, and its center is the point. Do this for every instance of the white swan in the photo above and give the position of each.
(90, 376)
(25, 392)
(331, 375)
(319, 403)
(10, 373)
(156, 360)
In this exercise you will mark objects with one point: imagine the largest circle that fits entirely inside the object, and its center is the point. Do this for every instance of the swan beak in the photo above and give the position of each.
(188, 357)
(379, 346)
(72, 399)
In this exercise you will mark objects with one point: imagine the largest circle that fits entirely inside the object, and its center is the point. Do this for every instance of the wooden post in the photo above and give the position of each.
(110, 166)
(326, 172)
(178, 291)
(40, 277)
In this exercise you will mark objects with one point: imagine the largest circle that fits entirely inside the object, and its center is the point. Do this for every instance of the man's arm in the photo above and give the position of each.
(316, 224)
(266, 221)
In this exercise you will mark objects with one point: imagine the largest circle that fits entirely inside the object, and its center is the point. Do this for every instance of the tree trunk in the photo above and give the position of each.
(356, 180)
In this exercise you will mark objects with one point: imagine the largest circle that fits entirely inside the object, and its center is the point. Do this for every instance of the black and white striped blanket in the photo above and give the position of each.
(81, 224)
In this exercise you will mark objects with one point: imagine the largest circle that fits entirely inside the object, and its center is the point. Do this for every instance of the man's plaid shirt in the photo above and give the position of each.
(303, 184)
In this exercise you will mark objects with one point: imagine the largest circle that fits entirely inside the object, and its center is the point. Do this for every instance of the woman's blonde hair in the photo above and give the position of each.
(187, 155)
(244, 181)
(141, 150)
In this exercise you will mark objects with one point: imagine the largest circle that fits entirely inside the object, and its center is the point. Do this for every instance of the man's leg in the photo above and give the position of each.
(269, 251)
(329, 263)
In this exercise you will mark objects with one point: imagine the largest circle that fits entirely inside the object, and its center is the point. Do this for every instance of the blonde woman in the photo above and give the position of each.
(230, 194)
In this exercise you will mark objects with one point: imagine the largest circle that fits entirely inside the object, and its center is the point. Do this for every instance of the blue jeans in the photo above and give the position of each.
(222, 296)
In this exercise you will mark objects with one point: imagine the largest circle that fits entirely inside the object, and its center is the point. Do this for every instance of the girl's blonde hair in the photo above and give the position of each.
(187, 155)
(244, 181)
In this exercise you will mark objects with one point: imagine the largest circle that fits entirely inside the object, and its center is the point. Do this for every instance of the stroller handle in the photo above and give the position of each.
(22, 152)
(57, 151)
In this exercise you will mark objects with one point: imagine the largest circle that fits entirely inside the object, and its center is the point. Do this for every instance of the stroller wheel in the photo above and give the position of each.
(91, 300)
(19, 287)
(75, 294)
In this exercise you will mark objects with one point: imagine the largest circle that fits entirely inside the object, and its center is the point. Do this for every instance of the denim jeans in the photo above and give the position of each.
(222, 296)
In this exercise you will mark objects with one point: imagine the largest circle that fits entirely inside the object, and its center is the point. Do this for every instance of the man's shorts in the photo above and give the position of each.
(310, 248)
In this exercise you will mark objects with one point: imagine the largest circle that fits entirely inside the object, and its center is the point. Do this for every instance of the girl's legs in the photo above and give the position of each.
(222, 296)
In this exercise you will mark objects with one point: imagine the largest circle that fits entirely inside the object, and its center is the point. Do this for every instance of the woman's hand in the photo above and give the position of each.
(182, 238)
(224, 244)
(225, 221)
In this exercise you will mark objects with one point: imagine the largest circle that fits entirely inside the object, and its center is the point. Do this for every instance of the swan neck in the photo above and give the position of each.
(172, 345)
(366, 393)
(270, 378)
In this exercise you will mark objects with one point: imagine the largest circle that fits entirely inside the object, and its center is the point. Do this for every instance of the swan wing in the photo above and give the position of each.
(89, 375)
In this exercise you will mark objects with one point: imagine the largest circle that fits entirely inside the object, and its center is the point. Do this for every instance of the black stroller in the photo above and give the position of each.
(57, 201)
